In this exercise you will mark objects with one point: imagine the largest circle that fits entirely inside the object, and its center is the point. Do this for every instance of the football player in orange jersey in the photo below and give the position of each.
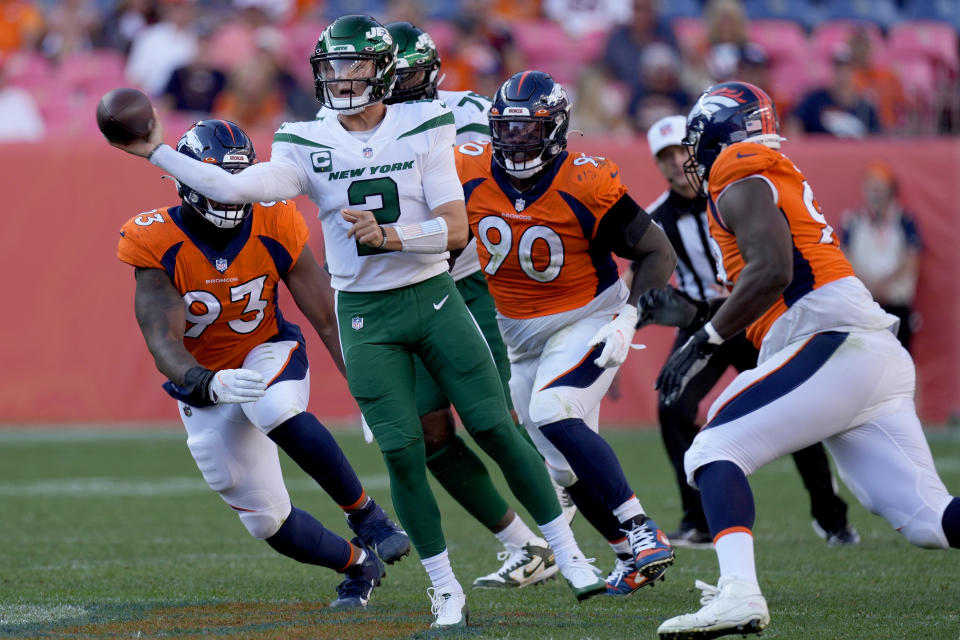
(829, 369)
(207, 278)
(548, 222)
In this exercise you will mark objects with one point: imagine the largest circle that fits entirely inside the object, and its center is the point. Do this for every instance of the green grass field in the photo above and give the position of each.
(113, 534)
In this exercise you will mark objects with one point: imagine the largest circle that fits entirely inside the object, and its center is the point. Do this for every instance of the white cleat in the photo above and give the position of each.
(584, 578)
(532, 563)
(450, 609)
(566, 502)
(731, 607)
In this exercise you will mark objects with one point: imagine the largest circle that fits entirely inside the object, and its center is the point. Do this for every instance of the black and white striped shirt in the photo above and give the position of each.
(685, 223)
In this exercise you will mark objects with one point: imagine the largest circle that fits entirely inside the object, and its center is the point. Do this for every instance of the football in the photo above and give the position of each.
(125, 115)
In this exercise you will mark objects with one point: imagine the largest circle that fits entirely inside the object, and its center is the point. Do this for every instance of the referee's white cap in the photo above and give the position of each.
(666, 132)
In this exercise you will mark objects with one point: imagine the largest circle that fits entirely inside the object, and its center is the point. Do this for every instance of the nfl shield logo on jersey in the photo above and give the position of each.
(519, 204)
(368, 152)
(221, 264)
(357, 323)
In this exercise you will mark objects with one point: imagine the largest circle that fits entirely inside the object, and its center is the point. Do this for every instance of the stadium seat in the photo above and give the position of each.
(829, 35)
(883, 13)
(443, 34)
(25, 68)
(936, 41)
(547, 46)
(802, 12)
(782, 39)
(939, 10)
(917, 76)
(333, 9)
(792, 78)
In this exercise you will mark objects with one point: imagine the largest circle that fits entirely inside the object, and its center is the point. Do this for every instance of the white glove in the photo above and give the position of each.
(236, 385)
(367, 433)
(616, 336)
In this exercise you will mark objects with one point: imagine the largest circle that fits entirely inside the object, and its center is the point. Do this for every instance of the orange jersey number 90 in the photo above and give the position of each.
(497, 237)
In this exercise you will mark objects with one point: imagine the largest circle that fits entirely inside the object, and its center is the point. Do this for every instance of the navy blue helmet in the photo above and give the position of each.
(726, 113)
(224, 144)
(528, 123)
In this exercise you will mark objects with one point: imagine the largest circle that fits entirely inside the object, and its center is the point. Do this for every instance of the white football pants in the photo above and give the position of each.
(231, 448)
(859, 402)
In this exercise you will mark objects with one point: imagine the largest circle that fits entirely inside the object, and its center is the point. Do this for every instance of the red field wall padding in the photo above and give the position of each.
(71, 349)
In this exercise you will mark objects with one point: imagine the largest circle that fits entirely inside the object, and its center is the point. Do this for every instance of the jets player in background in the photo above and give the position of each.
(682, 213)
(526, 558)
(830, 367)
(391, 206)
(207, 277)
(547, 223)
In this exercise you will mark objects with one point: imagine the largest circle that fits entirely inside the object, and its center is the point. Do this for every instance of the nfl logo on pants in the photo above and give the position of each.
(357, 323)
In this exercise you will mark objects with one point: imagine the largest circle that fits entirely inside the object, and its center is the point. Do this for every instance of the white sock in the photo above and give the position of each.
(516, 533)
(441, 573)
(629, 509)
(621, 547)
(560, 538)
(735, 554)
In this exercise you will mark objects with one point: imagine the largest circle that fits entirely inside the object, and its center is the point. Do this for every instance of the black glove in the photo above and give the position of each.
(683, 364)
(672, 308)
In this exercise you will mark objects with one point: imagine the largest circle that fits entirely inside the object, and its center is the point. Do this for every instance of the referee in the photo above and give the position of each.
(681, 212)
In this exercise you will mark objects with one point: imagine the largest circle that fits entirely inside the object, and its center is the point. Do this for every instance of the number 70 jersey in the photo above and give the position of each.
(537, 248)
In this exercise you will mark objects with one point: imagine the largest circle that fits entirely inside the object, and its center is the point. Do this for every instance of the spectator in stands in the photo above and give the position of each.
(717, 56)
(580, 18)
(20, 119)
(21, 25)
(599, 105)
(124, 22)
(754, 67)
(411, 11)
(879, 82)
(510, 10)
(625, 43)
(484, 51)
(882, 243)
(254, 95)
(195, 86)
(162, 47)
(839, 109)
(71, 26)
(659, 93)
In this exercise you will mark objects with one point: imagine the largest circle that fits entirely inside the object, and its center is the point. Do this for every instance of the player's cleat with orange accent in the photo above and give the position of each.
(651, 549)
(625, 579)
(731, 607)
(362, 578)
(379, 532)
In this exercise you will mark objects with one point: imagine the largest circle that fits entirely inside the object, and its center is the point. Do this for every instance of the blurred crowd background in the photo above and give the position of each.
(846, 68)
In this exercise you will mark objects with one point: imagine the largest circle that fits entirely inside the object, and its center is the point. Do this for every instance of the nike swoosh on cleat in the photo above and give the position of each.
(529, 572)
(745, 155)
(439, 305)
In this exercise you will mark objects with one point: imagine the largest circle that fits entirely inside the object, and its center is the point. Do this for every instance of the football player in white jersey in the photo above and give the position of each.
(391, 205)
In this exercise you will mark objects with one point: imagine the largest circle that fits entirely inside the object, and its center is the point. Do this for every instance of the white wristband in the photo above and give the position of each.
(712, 336)
(424, 237)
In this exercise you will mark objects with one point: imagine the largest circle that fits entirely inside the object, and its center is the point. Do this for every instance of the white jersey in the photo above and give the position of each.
(402, 171)
(470, 118)
(470, 115)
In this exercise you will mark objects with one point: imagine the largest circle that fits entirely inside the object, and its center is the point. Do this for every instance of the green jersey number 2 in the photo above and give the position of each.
(371, 193)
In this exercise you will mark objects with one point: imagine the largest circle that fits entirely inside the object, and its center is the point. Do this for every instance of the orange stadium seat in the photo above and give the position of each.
(548, 47)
